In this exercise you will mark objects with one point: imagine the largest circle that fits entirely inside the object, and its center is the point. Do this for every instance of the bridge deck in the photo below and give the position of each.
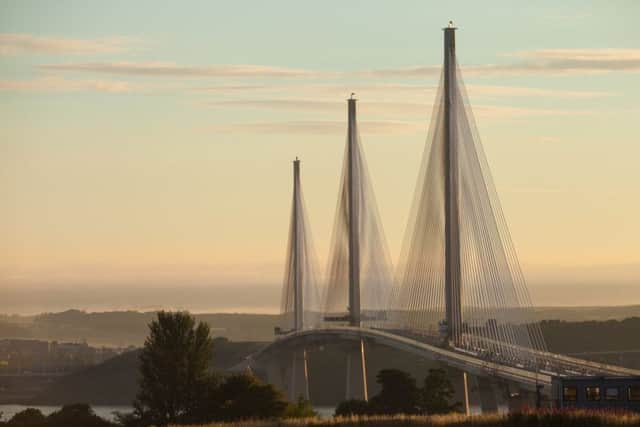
(527, 378)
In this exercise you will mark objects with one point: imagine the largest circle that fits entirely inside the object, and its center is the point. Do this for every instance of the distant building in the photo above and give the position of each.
(597, 392)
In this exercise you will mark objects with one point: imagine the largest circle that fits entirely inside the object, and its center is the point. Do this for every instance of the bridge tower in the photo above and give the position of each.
(359, 275)
(453, 308)
(298, 304)
(354, 244)
(458, 279)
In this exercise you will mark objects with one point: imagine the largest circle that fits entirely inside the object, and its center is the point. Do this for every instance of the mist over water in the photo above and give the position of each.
(258, 298)
(197, 299)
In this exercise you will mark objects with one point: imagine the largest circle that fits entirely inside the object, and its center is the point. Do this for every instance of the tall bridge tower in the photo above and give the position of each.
(458, 278)
(359, 269)
(300, 304)
(354, 234)
(453, 308)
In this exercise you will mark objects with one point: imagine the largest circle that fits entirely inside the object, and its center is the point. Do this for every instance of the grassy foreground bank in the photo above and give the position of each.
(533, 419)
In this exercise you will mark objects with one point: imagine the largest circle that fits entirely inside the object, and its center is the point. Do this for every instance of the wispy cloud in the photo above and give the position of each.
(517, 91)
(416, 93)
(580, 60)
(323, 90)
(168, 69)
(502, 111)
(316, 127)
(542, 61)
(336, 105)
(58, 84)
(386, 109)
(280, 104)
(14, 43)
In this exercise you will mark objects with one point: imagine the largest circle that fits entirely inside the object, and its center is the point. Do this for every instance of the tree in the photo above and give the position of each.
(437, 393)
(77, 415)
(243, 396)
(30, 417)
(399, 394)
(174, 370)
(301, 409)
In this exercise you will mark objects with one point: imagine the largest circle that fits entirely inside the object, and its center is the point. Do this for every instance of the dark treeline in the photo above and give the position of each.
(400, 394)
(77, 415)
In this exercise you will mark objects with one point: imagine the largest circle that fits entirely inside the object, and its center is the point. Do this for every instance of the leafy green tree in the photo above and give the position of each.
(174, 370)
(399, 394)
(243, 396)
(437, 393)
(352, 407)
(30, 417)
(301, 409)
(77, 415)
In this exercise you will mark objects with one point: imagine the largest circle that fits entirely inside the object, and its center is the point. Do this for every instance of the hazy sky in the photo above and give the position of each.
(150, 143)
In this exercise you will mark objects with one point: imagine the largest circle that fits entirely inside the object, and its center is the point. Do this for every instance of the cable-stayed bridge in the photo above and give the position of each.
(458, 295)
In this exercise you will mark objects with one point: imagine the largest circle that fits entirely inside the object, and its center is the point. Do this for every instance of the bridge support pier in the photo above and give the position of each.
(292, 378)
(356, 375)
(487, 394)
(491, 394)
(298, 376)
(465, 386)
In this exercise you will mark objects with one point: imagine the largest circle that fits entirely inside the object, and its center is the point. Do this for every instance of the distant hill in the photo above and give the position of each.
(125, 328)
(581, 314)
(593, 336)
(114, 382)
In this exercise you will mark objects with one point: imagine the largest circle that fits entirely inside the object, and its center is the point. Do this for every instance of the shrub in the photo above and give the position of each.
(301, 409)
(352, 407)
(30, 417)
(77, 415)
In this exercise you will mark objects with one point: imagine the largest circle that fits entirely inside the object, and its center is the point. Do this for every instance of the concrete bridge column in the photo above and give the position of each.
(275, 373)
(356, 376)
(492, 394)
(290, 373)
(487, 395)
(298, 376)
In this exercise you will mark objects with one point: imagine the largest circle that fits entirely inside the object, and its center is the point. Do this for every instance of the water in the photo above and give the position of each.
(325, 411)
(106, 412)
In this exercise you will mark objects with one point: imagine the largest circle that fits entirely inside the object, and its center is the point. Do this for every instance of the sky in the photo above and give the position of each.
(146, 147)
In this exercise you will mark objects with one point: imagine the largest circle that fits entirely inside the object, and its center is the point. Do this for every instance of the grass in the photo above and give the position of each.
(530, 419)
